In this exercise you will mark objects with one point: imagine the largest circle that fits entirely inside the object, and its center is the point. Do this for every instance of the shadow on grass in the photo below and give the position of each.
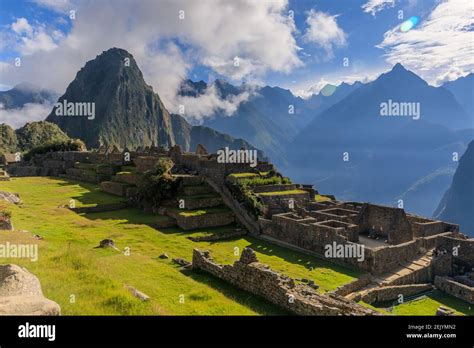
(255, 303)
(138, 217)
(93, 194)
(453, 302)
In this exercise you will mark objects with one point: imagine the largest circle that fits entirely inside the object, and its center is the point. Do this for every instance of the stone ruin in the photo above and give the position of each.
(399, 248)
(250, 275)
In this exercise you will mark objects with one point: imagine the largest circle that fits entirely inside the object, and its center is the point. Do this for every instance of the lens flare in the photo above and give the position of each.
(409, 24)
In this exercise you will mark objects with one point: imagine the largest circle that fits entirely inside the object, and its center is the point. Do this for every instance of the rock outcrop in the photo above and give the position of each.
(20, 293)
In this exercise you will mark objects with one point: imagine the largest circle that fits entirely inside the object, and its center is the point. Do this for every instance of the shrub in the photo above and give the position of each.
(55, 146)
(249, 200)
(158, 184)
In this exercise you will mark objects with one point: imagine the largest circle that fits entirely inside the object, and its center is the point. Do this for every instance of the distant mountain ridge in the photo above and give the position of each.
(24, 93)
(270, 118)
(457, 204)
(385, 155)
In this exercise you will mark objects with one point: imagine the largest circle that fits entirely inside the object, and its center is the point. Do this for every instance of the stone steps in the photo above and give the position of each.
(114, 188)
(193, 219)
(418, 270)
(274, 188)
(201, 201)
(189, 180)
(197, 190)
(127, 178)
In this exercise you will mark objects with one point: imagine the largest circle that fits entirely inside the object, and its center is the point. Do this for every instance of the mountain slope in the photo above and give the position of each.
(24, 93)
(385, 155)
(457, 204)
(127, 111)
(463, 91)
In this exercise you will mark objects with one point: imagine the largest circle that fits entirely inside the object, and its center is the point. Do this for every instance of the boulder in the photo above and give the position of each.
(20, 293)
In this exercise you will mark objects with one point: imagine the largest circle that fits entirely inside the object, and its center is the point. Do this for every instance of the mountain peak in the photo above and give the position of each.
(399, 67)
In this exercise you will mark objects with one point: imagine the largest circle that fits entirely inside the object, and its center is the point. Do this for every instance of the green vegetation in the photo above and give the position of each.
(260, 181)
(427, 305)
(200, 212)
(158, 184)
(249, 200)
(321, 198)
(278, 193)
(36, 134)
(69, 264)
(243, 175)
(8, 139)
(56, 145)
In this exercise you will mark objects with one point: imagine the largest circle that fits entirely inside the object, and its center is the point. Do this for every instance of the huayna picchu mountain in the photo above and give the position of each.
(127, 112)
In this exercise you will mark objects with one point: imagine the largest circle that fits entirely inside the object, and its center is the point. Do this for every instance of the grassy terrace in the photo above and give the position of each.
(70, 265)
(200, 212)
(279, 193)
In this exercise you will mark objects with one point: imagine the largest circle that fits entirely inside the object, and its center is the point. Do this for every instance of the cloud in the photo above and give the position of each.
(166, 42)
(374, 6)
(28, 113)
(440, 48)
(21, 26)
(30, 39)
(324, 31)
(56, 5)
(210, 102)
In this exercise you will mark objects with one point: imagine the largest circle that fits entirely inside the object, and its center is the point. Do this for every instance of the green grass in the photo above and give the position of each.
(243, 175)
(280, 193)
(200, 212)
(321, 198)
(69, 264)
(427, 305)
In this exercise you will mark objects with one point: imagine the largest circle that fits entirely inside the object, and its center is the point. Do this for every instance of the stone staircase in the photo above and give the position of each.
(123, 183)
(197, 205)
(90, 172)
(418, 271)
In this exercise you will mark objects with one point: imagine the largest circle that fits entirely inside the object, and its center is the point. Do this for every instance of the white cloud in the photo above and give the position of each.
(28, 113)
(212, 33)
(324, 31)
(210, 102)
(440, 47)
(374, 6)
(30, 39)
(56, 5)
(21, 26)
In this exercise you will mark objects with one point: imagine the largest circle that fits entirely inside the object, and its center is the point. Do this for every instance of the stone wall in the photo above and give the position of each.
(390, 293)
(258, 279)
(387, 222)
(452, 287)
(353, 286)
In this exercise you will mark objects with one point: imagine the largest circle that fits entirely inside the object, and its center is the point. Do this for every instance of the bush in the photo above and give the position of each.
(158, 184)
(54, 146)
(249, 200)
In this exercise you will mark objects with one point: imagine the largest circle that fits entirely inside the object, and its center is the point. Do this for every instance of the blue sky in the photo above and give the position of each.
(301, 53)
